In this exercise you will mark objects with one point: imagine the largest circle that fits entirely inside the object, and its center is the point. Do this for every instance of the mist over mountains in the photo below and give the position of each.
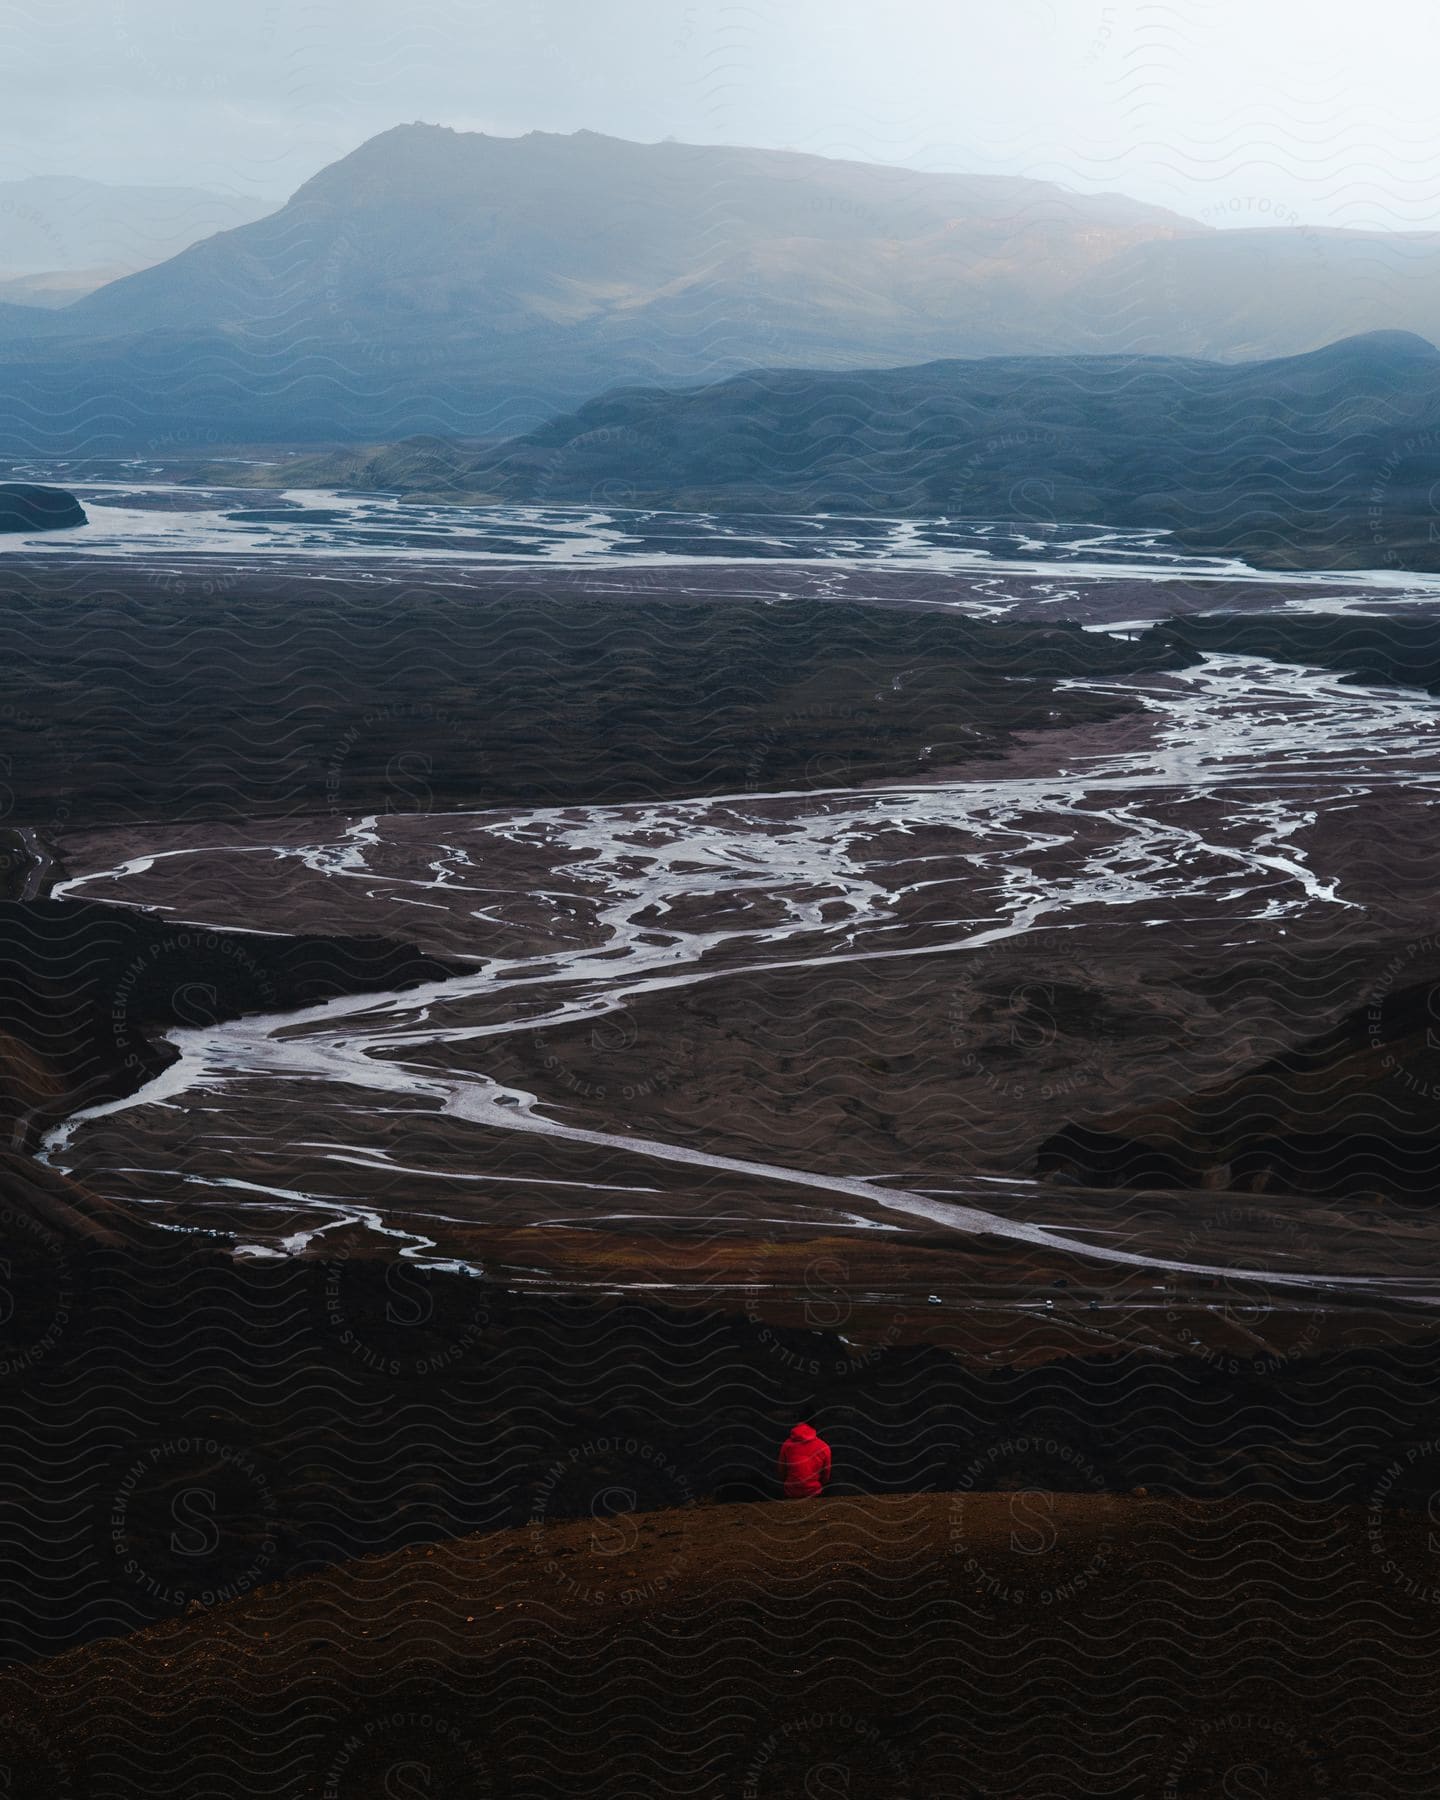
(61, 236)
(443, 281)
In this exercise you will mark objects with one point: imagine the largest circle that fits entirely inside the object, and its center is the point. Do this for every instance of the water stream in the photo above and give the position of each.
(1210, 819)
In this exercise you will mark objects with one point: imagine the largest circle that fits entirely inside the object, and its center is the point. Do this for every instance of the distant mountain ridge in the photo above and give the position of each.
(453, 282)
(459, 229)
(62, 236)
(1326, 459)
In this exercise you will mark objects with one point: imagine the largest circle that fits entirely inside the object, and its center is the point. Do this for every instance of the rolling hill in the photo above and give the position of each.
(1327, 459)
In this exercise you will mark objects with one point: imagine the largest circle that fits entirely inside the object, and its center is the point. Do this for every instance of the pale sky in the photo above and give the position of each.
(1239, 111)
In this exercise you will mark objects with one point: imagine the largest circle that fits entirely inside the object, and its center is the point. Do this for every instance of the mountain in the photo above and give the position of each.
(440, 280)
(54, 287)
(1323, 459)
(61, 236)
(729, 251)
(436, 281)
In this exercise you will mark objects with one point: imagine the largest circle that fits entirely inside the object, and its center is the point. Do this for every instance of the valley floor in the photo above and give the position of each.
(1009, 1046)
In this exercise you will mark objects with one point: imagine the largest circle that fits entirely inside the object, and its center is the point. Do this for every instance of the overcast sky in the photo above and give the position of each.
(1231, 110)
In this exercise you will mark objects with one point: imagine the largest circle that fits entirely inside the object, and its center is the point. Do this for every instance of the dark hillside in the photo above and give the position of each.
(1326, 459)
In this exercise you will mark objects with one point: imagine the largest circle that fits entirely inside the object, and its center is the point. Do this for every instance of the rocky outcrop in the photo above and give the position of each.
(25, 506)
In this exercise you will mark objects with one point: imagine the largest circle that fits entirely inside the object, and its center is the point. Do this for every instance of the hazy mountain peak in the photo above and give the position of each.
(444, 280)
(1380, 346)
(591, 158)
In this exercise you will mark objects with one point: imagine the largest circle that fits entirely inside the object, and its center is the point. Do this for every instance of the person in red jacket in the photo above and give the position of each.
(804, 1463)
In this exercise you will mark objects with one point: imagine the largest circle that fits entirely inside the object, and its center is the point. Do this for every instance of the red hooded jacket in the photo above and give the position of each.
(804, 1463)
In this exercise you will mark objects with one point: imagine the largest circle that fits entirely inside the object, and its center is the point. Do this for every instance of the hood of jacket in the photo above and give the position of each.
(803, 1432)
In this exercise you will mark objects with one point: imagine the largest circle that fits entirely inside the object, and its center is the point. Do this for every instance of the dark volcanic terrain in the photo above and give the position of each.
(498, 1051)
(207, 692)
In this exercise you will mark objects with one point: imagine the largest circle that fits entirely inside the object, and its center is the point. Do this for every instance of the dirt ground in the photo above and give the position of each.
(997, 1645)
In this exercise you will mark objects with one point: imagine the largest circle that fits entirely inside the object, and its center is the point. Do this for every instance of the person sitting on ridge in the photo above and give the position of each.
(804, 1463)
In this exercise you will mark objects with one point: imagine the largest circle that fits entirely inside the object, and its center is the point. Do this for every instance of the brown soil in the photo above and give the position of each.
(990, 1645)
